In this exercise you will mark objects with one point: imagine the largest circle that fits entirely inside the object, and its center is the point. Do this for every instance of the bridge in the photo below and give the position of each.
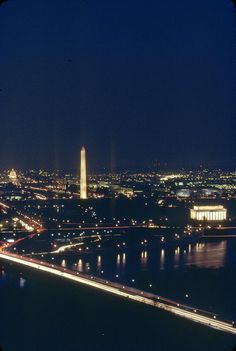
(197, 315)
(191, 313)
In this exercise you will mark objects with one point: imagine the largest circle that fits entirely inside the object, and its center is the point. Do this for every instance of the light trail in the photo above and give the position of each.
(69, 246)
(220, 236)
(171, 306)
(4, 205)
(64, 247)
(125, 291)
(61, 248)
(95, 228)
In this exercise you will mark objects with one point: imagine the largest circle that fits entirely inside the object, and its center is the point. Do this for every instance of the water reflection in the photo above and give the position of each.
(80, 265)
(162, 260)
(177, 257)
(208, 255)
(202, 255)
(22, 282)
(118, 261)
(87, 267)
(144, 256)
(123, 260)
(99, 263)
(2, 276)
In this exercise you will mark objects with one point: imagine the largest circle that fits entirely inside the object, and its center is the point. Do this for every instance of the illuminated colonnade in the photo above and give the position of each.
(208, 213)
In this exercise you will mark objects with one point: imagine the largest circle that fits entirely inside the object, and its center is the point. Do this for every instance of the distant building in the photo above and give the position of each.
(208, 213)
(12, 175)
(13, 178)
(209, 193)
(83, 174)
(128, 192)
(184, 193)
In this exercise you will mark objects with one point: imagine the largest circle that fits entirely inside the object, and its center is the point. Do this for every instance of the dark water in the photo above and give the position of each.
(205, 272)
(40, 312)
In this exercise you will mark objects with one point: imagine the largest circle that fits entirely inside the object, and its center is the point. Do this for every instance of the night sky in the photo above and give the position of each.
(136, 82)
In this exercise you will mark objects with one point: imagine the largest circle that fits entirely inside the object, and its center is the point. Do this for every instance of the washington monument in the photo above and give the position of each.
(83, 175)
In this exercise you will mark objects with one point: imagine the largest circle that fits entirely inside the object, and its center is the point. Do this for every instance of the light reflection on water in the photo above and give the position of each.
(123, 260)
(118, 261)
(3, 276)
(162, 259)
(201, 255)
(87, 267)
(80, 265)
(99, 263)
(143, 261)
(207, 255)
(176, 257)
(22, 282)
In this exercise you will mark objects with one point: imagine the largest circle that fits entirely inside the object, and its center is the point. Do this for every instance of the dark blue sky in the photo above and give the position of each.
(135, 81)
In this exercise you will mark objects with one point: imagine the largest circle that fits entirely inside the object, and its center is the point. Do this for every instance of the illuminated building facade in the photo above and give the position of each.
(208, 213)
(13, 176)
(183, 193)
(83, 174)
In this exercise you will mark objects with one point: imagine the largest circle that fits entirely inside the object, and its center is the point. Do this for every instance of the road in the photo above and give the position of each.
(202, 317)
(219, 236)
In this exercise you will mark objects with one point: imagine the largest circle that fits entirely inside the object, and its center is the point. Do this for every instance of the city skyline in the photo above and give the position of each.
(148, 238)
(118, 175)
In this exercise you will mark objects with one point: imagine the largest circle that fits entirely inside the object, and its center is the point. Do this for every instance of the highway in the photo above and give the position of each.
(219, 236)
(193, 314)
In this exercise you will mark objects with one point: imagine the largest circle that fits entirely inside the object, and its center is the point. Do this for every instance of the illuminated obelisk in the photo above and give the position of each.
(83, 174)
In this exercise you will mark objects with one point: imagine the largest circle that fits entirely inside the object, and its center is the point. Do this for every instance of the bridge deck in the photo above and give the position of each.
(196, 315)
